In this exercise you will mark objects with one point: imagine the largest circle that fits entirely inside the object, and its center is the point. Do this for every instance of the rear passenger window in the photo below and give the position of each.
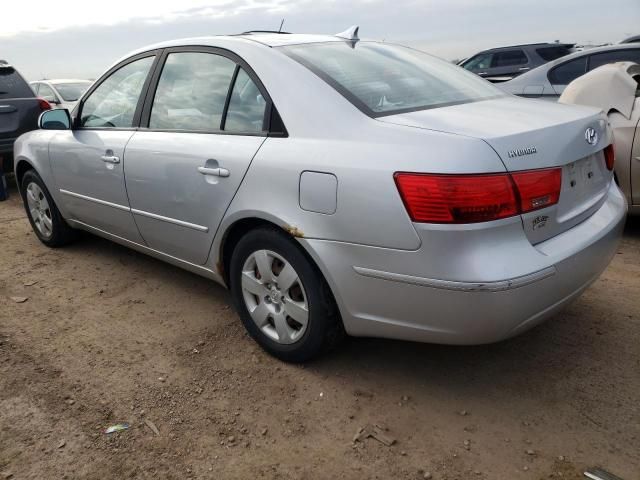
(509, 58)
(192, 92)
(626, 55)
(549, 54)
(568, 72)
(246, 106)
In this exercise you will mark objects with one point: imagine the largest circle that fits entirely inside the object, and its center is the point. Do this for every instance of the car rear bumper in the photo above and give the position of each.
(481, 285)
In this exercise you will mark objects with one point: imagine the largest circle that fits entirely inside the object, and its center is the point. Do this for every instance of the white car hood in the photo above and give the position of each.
(608, 87)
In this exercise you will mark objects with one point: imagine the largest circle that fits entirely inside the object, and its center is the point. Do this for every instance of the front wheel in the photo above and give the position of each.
(44, 216)
(282, 299)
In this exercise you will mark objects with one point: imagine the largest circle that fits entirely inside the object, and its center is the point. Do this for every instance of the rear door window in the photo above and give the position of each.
(509, 58)
(628, 55)
(192, 92)
(567, 72)
(12, 85)
(549, 54)
(246, 106)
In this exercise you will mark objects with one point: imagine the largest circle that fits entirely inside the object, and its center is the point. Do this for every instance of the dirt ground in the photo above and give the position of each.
(108, 335)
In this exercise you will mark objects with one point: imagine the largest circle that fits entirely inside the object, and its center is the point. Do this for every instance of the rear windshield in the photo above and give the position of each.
(12, 85)
(383, 79)
(70, 92)
(553, 53)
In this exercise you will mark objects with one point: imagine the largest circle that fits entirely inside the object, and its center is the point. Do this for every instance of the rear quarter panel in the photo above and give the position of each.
(369, 209)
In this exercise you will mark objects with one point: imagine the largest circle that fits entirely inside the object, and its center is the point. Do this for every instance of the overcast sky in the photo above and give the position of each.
(80, 38)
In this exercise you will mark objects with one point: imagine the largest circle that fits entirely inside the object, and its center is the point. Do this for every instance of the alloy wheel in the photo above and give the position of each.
(40, 210)
(275, 297)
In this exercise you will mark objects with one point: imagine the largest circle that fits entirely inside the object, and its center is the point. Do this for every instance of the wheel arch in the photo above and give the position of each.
(21, 167)
(240, 226)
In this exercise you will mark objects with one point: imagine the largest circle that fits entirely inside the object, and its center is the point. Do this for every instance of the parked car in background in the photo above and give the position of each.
(406, 198)
(61, 93)
(19, 111)
(504, 63)
(615, 88)
(634, 39)
(549, 81)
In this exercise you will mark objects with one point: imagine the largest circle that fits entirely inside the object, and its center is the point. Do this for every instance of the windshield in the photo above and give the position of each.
(383, 79)
(71, 92)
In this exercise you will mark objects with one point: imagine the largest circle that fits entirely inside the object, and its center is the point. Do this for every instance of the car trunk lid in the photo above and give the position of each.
(528, 135)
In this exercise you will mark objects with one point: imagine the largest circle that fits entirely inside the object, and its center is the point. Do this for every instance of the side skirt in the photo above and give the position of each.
(191, 267)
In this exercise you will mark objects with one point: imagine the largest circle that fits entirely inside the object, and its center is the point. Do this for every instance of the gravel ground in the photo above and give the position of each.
(108, 335)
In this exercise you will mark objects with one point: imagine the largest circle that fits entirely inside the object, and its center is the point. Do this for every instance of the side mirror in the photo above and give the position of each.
(59, 119)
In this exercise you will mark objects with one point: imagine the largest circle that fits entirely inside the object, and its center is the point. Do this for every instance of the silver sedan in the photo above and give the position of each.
(549, 80)
(335, 186)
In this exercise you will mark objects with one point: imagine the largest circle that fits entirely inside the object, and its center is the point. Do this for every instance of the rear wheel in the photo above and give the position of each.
(282, 299)
(44, 216)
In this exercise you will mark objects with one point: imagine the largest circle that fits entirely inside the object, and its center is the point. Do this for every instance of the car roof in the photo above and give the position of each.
(527, 45)
(269, 39)
(62, 80)
(590, 51)
(634, 39)
(257, 38)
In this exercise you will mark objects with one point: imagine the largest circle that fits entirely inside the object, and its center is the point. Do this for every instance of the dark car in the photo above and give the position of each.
(504, 63)
(19, 111)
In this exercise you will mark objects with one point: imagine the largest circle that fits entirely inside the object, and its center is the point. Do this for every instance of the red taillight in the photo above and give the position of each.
(44, 105)
(457, 198)
(538, 188)
(433, 198)
(610, 157)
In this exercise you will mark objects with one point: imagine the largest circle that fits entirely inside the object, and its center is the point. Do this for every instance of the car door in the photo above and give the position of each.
(200, 130)
(88, 161)
(507, 64)
(479, 64)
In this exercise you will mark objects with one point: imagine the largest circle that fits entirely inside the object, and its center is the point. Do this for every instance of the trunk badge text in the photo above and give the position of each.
(521, 152)
(539, 222)
(591, 136)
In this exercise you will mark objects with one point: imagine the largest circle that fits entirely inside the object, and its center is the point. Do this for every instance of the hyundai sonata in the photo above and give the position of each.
(335, 185)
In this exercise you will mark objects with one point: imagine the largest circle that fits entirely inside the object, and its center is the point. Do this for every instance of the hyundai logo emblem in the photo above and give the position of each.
(591, 136)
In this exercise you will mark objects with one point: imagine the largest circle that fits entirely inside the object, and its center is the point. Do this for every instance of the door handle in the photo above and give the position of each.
(216, 172)
(110, 159)
(524, 69)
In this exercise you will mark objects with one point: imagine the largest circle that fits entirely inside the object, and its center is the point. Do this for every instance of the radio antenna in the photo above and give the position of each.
(281, 25)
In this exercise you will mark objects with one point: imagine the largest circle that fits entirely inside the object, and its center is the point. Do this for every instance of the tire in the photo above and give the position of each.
(280, 310)
(43, 214)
